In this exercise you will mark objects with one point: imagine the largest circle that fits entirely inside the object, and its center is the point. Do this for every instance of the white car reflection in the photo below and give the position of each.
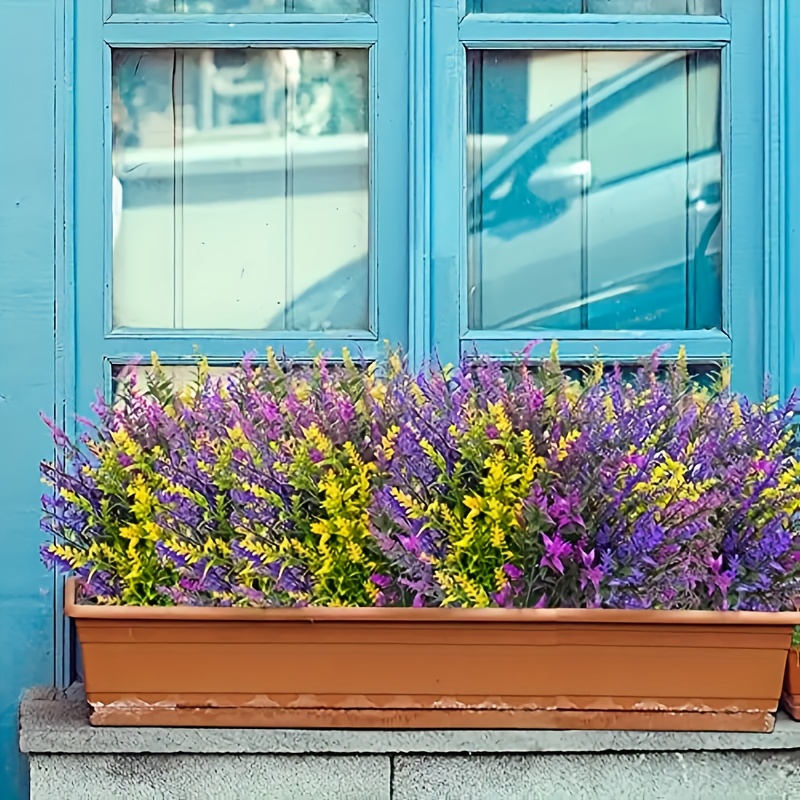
(552, 245)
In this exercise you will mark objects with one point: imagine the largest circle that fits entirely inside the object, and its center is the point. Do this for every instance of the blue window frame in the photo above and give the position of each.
(735, 41)
(427, 64)
(173, 200)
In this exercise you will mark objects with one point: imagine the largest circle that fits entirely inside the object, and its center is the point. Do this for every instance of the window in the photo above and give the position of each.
(239, 6)
(452, 176)
(600, 187)
(228, 159)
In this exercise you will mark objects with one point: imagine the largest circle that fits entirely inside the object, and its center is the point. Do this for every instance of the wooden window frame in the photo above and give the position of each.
(740, 35)
(99, 345)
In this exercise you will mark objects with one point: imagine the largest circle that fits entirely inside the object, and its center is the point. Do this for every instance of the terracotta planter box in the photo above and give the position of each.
(791, 684)
(432, 668)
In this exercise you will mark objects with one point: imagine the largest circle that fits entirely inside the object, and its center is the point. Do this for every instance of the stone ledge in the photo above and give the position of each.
(52, 722)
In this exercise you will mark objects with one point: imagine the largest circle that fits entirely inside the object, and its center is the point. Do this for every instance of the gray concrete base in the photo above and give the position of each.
(197, 777)
(70, 759)
(622, 776)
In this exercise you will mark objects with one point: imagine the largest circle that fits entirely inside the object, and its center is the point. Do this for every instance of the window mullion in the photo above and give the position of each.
(250, 30)
(700, 347)
(593, 30)
(744, 108)
(230, 349)
(448, 191)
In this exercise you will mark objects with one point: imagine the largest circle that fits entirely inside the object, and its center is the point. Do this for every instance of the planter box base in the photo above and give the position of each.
(431, 719)
(790, 700)
(791, 704)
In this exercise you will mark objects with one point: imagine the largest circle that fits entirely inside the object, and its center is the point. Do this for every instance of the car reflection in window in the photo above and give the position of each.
(638, 212)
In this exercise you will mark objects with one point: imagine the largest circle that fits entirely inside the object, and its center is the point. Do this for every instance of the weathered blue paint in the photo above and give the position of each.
(27, 336)
(744, 194)
(448, 179)
(419, 234)
(65, 380)
(790, 98)
(90, 210)
(700, 346)
(251, 29)
(390, 99)
(775, 194)
(582, 30)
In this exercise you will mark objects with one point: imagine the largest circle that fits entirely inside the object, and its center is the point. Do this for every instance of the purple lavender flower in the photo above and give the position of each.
(98, 583)
(171, 556)
(555, 549)
(54, 561)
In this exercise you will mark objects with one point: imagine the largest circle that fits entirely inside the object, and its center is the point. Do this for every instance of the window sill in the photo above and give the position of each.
(69, 758)
(53, 722)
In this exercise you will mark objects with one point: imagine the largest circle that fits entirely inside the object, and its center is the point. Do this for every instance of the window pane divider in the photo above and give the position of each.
(593, 30)
(705, 346)
(663, 335)
(173, 350)
(138, 334)
(202, 32)
(238, 19)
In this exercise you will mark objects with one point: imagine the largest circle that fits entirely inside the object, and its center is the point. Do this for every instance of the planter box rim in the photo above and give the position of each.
(77, 610)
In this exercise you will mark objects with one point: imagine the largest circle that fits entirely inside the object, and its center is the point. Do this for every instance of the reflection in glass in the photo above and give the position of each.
(595, 197)
(241, 182)
(596, 6)
(240, 6)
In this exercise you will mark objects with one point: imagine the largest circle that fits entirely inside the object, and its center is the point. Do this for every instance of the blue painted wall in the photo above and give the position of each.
(27, 355)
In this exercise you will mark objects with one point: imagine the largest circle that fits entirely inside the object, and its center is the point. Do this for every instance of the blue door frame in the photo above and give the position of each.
(37, 330)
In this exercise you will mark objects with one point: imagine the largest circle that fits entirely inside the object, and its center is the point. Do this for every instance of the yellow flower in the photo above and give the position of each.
(389, 440)
(562, 448)
(72, 555)
(377, 392)
(355, 552)
(371, 589)
(475, 594)
(152, 531)
(132, 532)
(317, 439)
(498, 537)
(122, 439)
(474, 502)
(500, 419)
(347, 359)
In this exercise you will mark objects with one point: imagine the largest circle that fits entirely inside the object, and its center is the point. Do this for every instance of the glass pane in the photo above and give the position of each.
(595, 195)
(240, 6)
(241, 189)
(596, 6)
(180, 375)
